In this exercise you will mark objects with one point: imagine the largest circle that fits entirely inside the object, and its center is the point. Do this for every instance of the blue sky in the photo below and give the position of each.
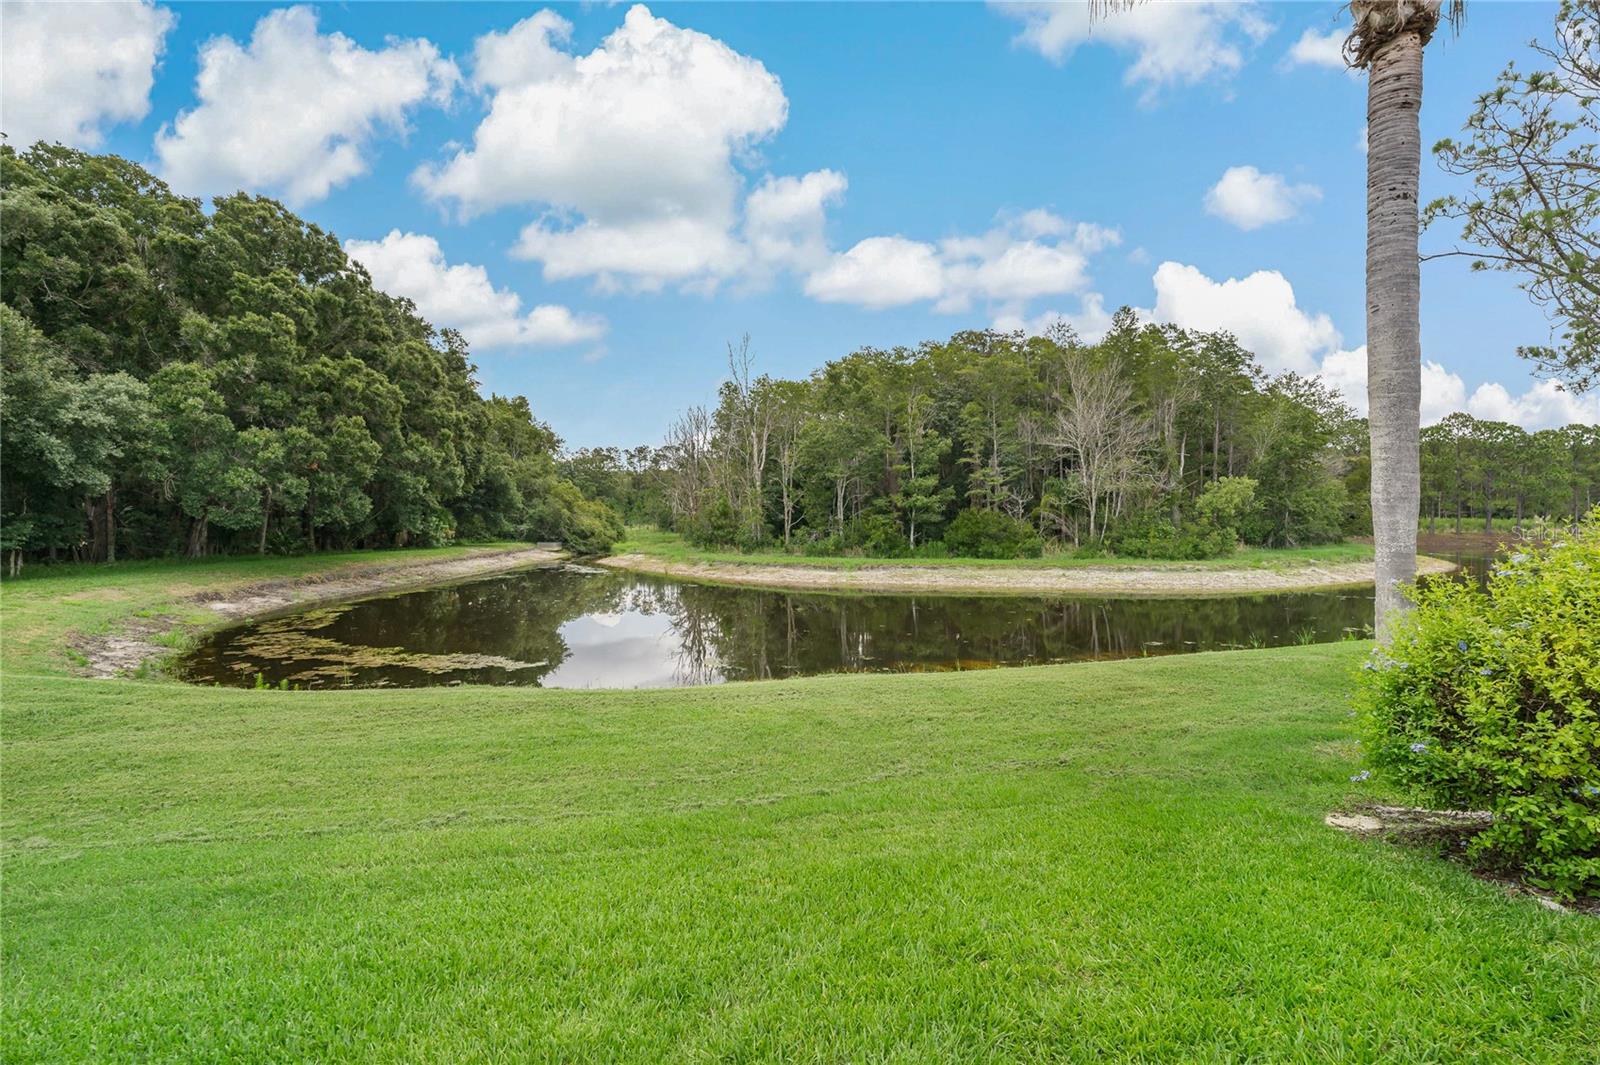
(603, 197)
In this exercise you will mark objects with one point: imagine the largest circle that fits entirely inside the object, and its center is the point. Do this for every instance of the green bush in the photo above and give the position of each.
(1489, 700)
(716, 526)
(1309, 514)
(585, 526)
(874, 535)
(991, 534)
(879, 536)
(591, 527)
(821, 546)
(1226, 504)
(1211, 531)
(1154, 536)
(1090, 549)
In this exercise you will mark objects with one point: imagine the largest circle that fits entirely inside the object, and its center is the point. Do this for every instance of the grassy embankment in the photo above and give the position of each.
(1505, 527)
(673, 548)
(48, 603)
(1105, 861)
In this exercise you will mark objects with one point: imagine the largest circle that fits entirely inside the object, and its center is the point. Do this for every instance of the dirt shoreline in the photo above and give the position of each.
(1150, 581)
(138, 641)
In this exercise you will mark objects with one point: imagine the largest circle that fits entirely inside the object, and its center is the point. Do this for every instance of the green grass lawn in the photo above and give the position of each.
(673, 548)
(1505, 527)
(1118, 860)
(39, 609)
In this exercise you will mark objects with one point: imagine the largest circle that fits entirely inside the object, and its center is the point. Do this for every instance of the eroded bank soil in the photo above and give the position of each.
(1088, 580)
(139, 640)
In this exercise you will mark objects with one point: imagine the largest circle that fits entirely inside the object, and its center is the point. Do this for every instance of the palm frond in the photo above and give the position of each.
(1374, 23)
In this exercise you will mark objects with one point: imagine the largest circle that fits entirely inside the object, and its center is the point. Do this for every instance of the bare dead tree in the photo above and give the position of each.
(788, 420)
(1103, 430)
(689, 444)
(750, 434)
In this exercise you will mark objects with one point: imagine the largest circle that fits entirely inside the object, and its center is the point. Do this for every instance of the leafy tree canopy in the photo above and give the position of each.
(178, 381)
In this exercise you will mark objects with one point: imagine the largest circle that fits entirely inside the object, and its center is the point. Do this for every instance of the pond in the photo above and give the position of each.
(571, 626)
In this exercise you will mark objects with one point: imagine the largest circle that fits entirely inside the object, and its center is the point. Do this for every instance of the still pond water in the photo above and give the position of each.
(571, 626)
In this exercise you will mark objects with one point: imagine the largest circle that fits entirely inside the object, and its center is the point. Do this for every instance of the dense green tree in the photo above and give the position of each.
(1113, 444)
(185, 382)
(918, 495)
(1075, 440)
(1299, 494)
(66, 439)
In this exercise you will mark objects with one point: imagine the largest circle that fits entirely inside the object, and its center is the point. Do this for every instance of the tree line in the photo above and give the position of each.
(1494, 472)
(1154, 442)
(177, 381)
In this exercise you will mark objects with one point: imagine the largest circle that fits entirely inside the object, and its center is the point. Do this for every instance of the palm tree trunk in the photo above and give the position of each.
(1394, 346)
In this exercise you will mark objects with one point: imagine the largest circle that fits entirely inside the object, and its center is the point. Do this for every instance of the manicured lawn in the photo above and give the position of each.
(1107, 861)
(673, 548)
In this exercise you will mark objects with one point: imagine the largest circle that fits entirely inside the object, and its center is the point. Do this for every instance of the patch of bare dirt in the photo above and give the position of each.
(1410, 821)
(1448, 832)
(137, 640)
(123, 652)
(1087, 580)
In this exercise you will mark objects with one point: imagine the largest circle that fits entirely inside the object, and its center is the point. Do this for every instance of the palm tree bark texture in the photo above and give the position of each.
(1388, 40)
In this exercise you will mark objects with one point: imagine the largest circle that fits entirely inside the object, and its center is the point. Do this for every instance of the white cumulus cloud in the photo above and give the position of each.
(461, 296)
(1091, 321)
(784, 218)
(1320, 49)
(525, 53)
(1544, 406)
(294, 111)
(1022, 258)
(1172, 43)
(1443, 392)
(1250, 199)
(631, 153)
(1259, 309)
(880, 272)
(67, 70)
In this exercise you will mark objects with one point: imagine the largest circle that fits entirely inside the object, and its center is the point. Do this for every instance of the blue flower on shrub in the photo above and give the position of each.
(1495, 744)
(1488, 744)
(1364, 775)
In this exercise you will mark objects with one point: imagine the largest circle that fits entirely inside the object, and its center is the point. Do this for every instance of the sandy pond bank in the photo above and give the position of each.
(140, 639)
(1169, 580)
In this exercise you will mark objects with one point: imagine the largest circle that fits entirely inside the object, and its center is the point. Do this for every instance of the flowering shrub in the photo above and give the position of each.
(1489, 700)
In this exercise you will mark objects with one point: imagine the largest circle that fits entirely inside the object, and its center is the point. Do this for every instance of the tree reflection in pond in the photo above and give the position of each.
(573, 627)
